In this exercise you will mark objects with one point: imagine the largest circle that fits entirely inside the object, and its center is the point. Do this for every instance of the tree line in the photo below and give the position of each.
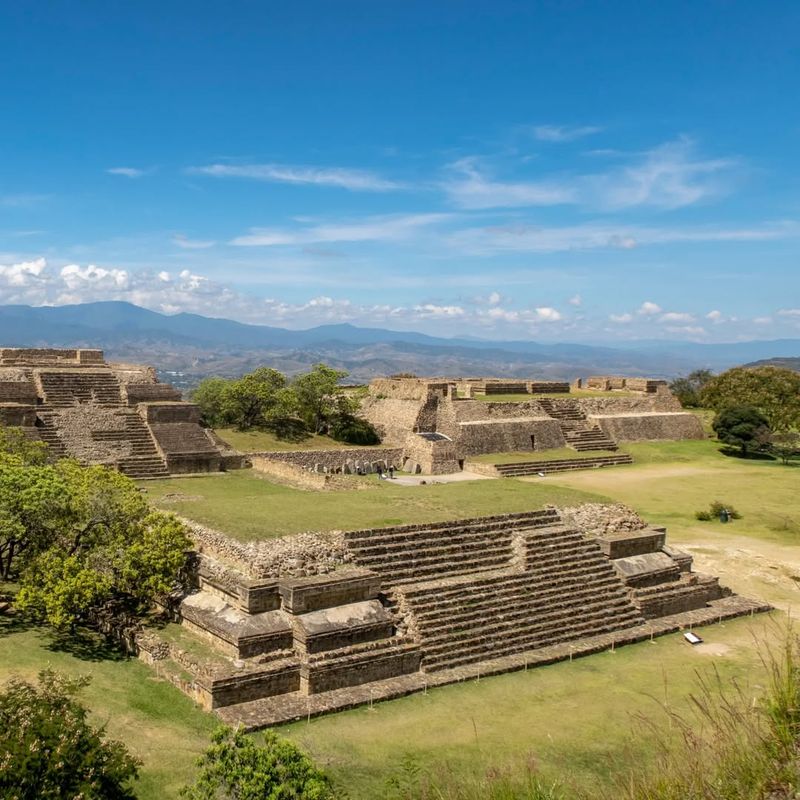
(313, 402)
(757, 408)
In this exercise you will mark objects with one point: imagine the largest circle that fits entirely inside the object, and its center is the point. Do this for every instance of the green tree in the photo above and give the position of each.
(772, 390)
(320, 398)
(209, 395)
(258, 399)
(49, 751)
(15, 442)
(77, 536)
(235, 766)
(744, 427)
(786, 446)
(689, 388)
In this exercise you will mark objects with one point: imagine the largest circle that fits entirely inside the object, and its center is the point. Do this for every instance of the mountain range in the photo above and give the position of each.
(187, 347)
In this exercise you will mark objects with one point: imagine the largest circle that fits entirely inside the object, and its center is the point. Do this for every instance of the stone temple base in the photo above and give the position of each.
(417, 606)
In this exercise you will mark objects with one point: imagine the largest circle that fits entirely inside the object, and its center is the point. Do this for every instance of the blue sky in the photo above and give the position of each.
(578, 171)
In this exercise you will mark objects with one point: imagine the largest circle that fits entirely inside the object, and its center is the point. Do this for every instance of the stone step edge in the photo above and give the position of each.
(280, 709)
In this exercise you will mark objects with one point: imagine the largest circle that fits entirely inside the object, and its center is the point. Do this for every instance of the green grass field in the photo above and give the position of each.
(262, 441)
(247, 506)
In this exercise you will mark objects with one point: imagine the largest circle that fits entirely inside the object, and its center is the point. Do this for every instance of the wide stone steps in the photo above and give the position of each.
(522, 623)
(356, 653)
(411, 535)
(557, 630)
(416, 572)
(63, 390)
(525, 602)
(522, 469)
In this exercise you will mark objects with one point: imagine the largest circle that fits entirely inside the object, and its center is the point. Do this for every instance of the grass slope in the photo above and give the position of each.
(262, 441)
(156, 722)
(249, 507)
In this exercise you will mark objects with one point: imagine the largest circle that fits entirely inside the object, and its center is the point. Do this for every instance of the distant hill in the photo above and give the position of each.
(785, 363)
(187, 347)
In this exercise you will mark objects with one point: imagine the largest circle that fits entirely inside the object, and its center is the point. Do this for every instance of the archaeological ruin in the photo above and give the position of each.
(289, 628)
(119, 415)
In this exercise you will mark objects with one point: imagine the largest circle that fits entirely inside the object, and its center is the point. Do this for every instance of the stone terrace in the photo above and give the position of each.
(393, 610)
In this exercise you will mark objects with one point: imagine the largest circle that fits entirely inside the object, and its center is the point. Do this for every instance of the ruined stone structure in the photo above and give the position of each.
(394, 610)
(100, 413)
(409, 411)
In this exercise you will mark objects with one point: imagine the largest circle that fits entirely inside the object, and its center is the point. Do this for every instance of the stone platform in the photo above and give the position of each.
(416, 606)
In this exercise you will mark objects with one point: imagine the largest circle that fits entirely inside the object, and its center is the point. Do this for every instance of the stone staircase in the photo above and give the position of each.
(71, 388)
(566, 590)
(580, 434)
(519, 469)
(412, 553)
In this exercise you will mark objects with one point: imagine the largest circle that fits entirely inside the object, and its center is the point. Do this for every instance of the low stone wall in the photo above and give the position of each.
(50, 356)
(17, 415)
(649, 427)
(300, 477)
(135, 393)
(21, 391)
(641, 404)
(296, 555)
(333, 459)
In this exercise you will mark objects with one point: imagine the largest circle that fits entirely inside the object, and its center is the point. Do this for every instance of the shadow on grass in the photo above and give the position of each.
(86, 645)
(732, 452)
(11, 623)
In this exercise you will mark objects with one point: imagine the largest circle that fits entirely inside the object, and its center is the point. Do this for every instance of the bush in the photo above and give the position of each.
(48, 749)
(353, 430)
(744, 427)
(714, 510)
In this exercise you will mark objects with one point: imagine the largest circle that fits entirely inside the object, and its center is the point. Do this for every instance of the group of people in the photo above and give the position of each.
(387, 475)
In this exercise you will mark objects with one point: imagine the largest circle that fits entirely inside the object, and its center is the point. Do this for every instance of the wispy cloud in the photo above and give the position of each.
(563, 133)
(528, 238)
(127, 172)
(471, 188)
(21, 200)
(191, 244)
(670, 176)
(370, 229)
(343, 178)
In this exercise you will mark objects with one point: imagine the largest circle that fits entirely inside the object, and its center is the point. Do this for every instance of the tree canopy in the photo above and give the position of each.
(236, 766)
(744, 427)
(689, 388)
(775, 392)
(76, 536)
(48, 749)
(314, 402)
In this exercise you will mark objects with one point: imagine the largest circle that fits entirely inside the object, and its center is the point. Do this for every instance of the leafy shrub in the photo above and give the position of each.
(714, 510)
(353, 430)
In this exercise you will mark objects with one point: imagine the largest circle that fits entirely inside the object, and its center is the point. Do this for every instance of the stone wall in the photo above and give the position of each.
(300, 554)
(300, 477)
(165, 413)
(17, 415)
(509, 435)
(433, 457)
(642, 404)
(649, 426)
(335, 459)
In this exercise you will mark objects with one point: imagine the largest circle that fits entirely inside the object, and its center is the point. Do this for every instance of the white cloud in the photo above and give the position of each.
(494, 298)
(669, 176)
(762, 320)
(575, 300)
(649, 308)
(621, 319)
(715, 316)
(127, 172)
(432, 311)
(369, 229)
(691, 330)
(192, 244)
(352, 179)
(676, 316)
(563, 133)
(789, 312)
(547, 314)
(472, 189)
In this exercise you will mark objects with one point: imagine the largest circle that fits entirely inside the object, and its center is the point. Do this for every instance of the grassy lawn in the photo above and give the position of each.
(249, 507)
(558, 454)
(260, 441)
(155, 720)
(575, 721)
